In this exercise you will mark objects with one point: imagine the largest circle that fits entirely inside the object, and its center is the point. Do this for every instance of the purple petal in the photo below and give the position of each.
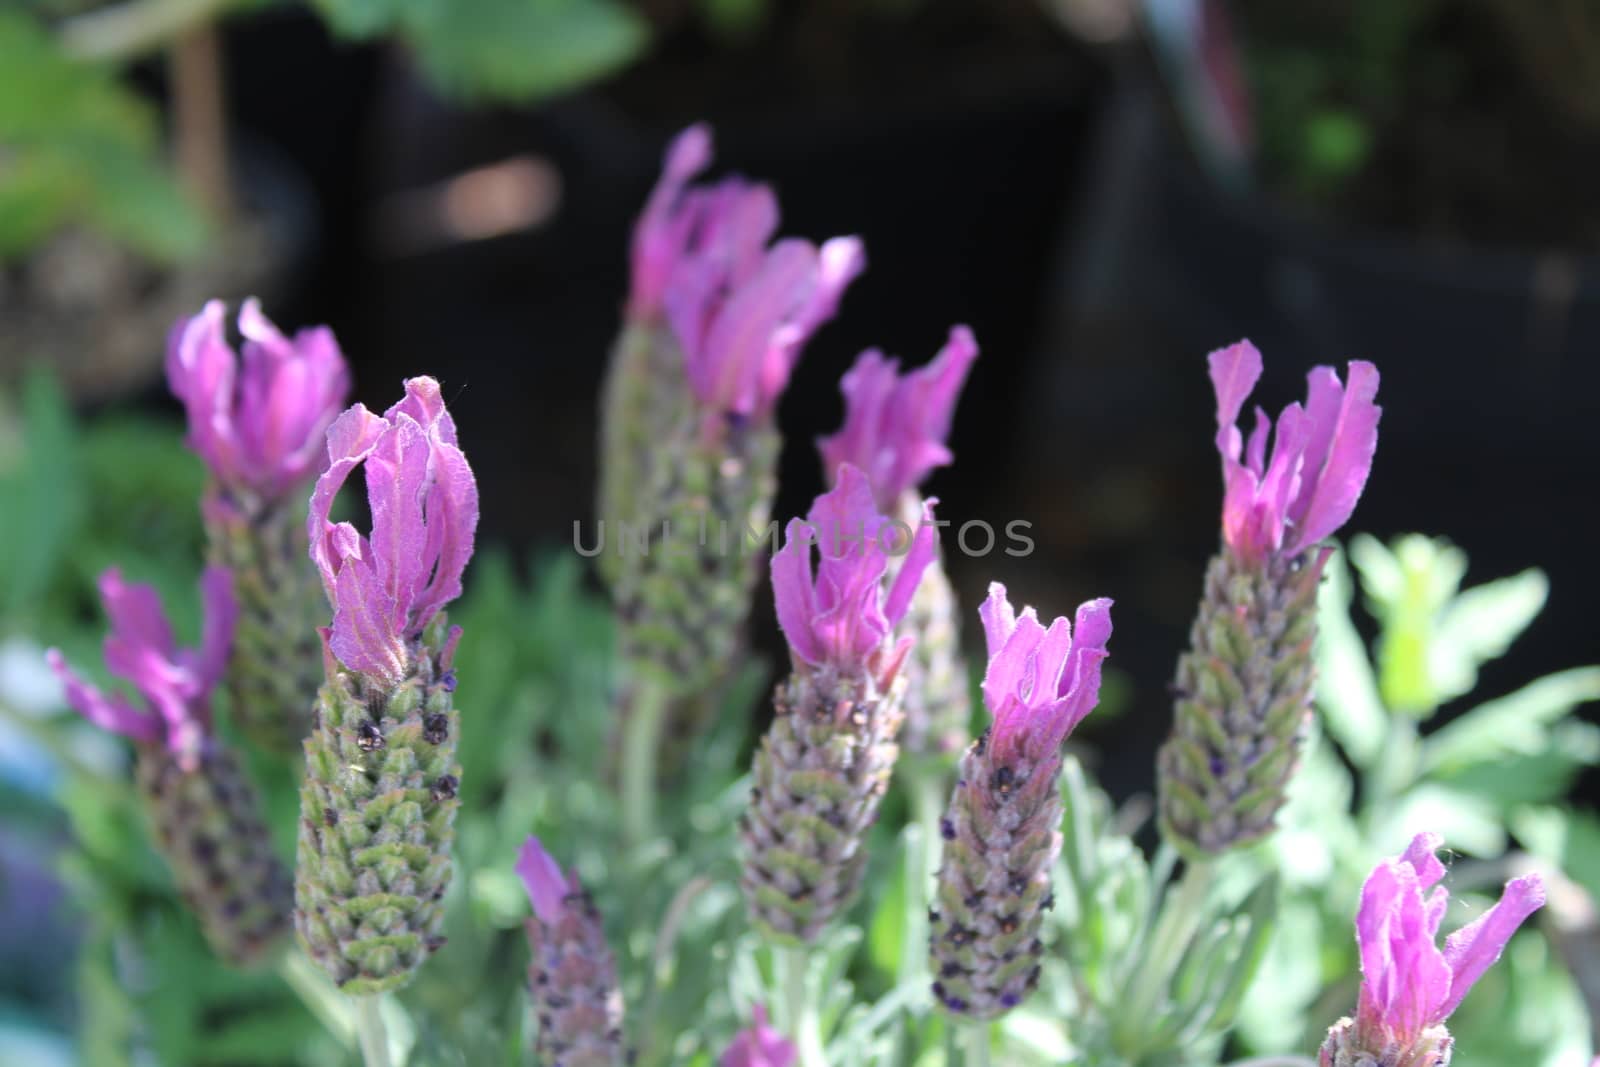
(109, 713)
(1010, 671)
(1339, 458)
(1079, 686)
(792, 591)
(895, 427)
(759, 1045)
(869, 388)
(1234, 373)
(999, 619)
(922, 552)
(1472, 950)
(424, 402)
(364, 635)
(732, 372)
(1405, 978)
(397, 477)
(547, 887)
(221, 616)
(350, 438)
(1421, 856)
(136, 615)
(452, 521)
(662, 230)
(200, 371)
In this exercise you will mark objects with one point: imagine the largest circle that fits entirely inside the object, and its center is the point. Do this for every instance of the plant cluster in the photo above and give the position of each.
(533, 828)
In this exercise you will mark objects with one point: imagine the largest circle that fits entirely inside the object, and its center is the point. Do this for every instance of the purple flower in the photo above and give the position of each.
(741, 309)
(548, 888)
(895, 426)
(1321, 455)
(842, 615)
(759, 1046)
(424, 504)
(1040, 682)
(175, 683)
(1407, 983)
(258, 421)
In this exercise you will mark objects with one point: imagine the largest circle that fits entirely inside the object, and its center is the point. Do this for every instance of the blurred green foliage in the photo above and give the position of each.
(79, 148)
(76, 148)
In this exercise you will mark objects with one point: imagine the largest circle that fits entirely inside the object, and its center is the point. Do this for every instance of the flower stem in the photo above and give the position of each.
(805, 1023)
(1179, 921)
(921, 865)
(370, 1030)
(976, 1040)
(641, 742)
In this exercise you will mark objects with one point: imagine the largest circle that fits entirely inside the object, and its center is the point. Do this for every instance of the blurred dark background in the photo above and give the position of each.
(1103, 204)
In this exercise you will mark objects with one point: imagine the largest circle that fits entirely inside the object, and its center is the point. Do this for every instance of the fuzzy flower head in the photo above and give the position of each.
(1407, 984)
(1041, 681)
(256, 418)
(424, 501)
(174, 683)
(841, 615)
(1321, 455)
(741, 308)
(548, 887)
(895, 425)
(759, 1046)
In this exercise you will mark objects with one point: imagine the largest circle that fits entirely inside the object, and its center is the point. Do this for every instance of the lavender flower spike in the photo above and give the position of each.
(824, 765)
(1408, 986)
(572, 975)
(378, 804)
(203, 809)
(258, 419)
(718, 315)
(894, 430)
(1244, 686)
(1321, 455)
(1000, 828)
(759, 1046)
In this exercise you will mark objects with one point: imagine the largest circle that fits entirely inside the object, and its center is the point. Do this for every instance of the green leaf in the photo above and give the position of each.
(1406, 589)
(44, 489)
(1479, 625)
(1347, 689)
(1568, 839)
(1543, 776)
(521, 49)
(1468, 822)
(1518, 723)
(81, 149)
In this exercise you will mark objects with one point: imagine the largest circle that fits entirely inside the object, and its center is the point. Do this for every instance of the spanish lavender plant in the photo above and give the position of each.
(572, 976)
(759, 1045)
(1244, 686)
(716, 321)
(894, 430)
(1408, 986)
(258, 419)
(378, 805)
(823, 766)
(1001, 829)
(203, 808)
